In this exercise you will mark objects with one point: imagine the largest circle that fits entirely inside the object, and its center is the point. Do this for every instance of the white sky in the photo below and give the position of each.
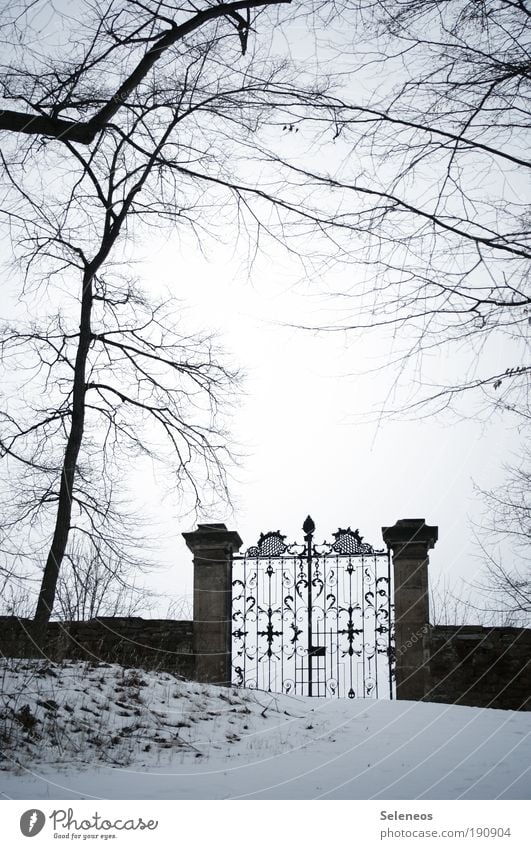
(297, 424)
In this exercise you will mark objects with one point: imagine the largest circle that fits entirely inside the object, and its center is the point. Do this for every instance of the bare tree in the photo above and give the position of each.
(90, 585)
(144, 385)
(181, 607)
(504, 541)
(453, 603)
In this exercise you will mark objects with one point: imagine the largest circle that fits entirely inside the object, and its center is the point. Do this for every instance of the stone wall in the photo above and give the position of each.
(130, 641)
(480, 667)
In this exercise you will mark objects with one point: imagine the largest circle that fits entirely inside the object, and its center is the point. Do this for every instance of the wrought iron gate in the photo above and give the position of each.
(313, 619)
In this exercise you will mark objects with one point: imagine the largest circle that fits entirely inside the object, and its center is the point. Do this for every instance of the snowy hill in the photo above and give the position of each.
(79, 730)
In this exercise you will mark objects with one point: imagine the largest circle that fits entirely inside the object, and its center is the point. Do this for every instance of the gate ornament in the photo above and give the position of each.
(269, 545)
(313, 619)
(350, 542)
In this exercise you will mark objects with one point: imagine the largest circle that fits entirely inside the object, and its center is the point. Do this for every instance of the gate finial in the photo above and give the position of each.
(309, 525)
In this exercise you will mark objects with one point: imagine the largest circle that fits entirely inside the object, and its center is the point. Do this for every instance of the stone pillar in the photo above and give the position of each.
(213, 546)
(410, 540)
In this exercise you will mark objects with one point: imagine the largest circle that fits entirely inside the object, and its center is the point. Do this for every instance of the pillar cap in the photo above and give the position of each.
(212, 535)
(410, 532)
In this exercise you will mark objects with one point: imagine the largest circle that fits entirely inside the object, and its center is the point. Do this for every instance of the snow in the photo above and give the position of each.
(97, 731)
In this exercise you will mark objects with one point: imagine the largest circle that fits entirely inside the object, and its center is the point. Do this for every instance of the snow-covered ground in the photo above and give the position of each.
(82, 731)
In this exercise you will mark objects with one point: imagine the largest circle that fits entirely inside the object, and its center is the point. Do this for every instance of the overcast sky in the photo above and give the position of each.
(303, 423)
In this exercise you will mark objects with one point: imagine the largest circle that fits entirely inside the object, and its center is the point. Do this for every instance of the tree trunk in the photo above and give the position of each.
(75, 437)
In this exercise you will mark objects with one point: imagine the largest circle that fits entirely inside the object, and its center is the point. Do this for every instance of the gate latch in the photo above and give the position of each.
(317, 651)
